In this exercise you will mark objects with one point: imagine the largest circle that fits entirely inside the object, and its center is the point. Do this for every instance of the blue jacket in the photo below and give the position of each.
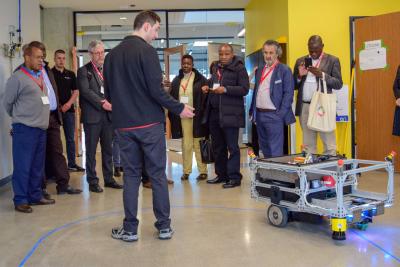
(282, 90)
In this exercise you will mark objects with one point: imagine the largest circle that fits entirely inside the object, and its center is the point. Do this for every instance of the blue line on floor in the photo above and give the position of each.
(375, 245)
(55, 230)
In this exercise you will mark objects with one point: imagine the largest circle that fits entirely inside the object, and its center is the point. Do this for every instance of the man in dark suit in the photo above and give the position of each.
(96, 118)
(306, 80)
(271, 106)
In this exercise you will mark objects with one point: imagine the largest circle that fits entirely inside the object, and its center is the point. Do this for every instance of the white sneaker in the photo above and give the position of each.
(165, 234)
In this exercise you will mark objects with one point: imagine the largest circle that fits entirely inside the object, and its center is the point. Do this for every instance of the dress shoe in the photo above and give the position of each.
(25, 208)
(43, 201)
(69, 190)
(169, 181)
(117, 172)
(185, 177)
(113, 184)
(76, 168)
(147, 184)
(95, 188)
(231, 184)
(202, 176)
(217, 180)
(46, 194)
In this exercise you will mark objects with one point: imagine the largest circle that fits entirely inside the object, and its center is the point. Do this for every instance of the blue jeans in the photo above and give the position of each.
(69, 132)
(144, 147)
(29, 150)
(116, 151)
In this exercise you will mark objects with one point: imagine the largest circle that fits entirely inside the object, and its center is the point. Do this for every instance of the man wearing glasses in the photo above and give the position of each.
(96, 118)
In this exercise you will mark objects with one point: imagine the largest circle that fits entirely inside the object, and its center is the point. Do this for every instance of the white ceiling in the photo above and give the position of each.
(96, 5)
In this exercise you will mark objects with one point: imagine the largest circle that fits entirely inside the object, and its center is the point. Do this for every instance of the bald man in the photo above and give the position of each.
(225, 114)
(306, 79)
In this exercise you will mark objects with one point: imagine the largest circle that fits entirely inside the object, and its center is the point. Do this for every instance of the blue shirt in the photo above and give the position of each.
(50, 91)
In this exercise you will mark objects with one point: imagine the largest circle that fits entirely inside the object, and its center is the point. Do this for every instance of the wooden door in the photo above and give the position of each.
(374, 99)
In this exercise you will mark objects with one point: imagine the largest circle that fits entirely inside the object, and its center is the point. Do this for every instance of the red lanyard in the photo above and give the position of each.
(319, 60)
(97, 71)
(263, 77)
(219, 74)
(187, 83)
(38, 81)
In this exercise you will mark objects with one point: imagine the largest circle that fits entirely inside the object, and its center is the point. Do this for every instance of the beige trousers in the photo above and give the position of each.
(189, 143)
(310, 136)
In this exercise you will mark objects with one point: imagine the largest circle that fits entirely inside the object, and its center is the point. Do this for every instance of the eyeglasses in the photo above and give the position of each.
(98, 53)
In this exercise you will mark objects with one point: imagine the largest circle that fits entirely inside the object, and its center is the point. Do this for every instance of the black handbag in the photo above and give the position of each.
(207, 155)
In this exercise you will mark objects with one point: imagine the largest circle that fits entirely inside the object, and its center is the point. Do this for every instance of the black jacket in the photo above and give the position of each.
(396, 91)
(132, 83)
(90, 96)
(230, 104)
(199, 102)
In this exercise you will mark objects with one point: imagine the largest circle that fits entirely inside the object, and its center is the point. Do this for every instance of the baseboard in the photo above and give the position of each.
(5, 180)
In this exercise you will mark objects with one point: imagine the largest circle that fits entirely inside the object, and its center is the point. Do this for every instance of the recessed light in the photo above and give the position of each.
(123, 18)
(132, 5)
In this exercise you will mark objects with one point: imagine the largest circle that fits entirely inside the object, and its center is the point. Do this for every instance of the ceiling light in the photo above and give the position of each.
(241, 33)
(201, 43)
(123, 18)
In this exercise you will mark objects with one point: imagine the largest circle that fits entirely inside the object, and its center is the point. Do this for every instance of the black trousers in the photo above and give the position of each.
(224, 140)
(144, 148)
(95, 132)
(55, 163)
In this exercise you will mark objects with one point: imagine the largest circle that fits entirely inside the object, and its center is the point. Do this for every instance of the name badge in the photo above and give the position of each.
(45, 100)
(102, 89)
(215, 86)
(184, 99)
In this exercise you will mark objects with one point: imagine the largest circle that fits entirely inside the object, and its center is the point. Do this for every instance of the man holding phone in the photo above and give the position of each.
(308, 71)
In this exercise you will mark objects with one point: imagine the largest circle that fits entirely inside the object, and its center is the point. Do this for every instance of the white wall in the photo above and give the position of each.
(30, 19)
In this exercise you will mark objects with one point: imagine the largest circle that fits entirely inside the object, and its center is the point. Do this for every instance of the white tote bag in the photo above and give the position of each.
(322, 113)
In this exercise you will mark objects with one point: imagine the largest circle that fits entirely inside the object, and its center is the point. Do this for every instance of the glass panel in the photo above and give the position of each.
(196, 29)
(111, 28)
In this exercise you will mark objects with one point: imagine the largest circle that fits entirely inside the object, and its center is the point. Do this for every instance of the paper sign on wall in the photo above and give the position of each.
(342, 106)
(373, 56)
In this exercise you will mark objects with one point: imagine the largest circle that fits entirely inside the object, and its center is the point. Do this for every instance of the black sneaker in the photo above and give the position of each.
(120, 233)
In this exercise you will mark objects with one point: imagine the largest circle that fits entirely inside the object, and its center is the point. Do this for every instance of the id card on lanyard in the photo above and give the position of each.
(265, 75)
(39, 82)
(219, 76)
(100, 75)
(185, 99)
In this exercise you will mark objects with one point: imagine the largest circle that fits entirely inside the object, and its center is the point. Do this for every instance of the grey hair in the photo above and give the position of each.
(92, 45)
(278, 47)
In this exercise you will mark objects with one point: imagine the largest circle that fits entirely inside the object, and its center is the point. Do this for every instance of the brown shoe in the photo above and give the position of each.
(170, 181)
(185, 177)
(147, 184)
(202, 176)
(43, 201)
(25, 208)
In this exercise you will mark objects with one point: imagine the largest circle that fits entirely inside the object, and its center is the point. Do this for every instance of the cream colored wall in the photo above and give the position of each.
(30, 31)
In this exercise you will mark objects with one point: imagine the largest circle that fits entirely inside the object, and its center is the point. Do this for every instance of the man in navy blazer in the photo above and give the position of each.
(271, 106)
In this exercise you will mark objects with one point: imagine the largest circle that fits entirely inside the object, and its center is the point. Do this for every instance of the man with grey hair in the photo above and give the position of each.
(96, 118)
(306, 79)
(271, 106)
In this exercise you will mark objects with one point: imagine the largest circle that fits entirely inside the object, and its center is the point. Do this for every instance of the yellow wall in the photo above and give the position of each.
(328, 18)
(265, 19)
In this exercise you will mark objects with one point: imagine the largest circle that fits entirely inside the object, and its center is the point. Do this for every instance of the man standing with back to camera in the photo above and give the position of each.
(133, 85)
